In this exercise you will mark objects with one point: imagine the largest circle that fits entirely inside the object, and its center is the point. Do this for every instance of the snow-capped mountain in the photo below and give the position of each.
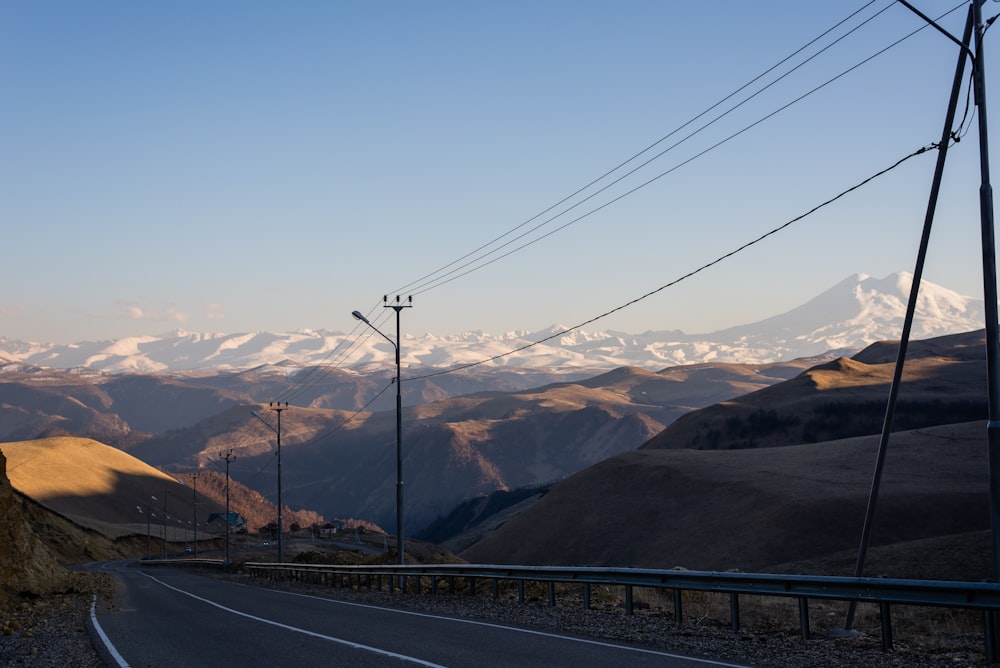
(847, 317)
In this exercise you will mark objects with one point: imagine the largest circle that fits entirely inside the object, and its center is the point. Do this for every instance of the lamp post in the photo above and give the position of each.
(277, 408)
(398, 307)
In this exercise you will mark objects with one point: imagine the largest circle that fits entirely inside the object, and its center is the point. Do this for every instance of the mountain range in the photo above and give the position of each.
(843, 319)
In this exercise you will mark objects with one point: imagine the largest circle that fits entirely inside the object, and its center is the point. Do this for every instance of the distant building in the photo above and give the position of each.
(330, 529)
(237, 522)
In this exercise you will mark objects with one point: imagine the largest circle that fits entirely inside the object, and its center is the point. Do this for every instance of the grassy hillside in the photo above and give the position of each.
(944, 382)
(753, 509)
(98, 486)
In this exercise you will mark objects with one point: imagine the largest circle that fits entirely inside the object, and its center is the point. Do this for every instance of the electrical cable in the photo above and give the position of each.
(420, 282)
(427, 287)
(686, 276)
(314, 376)
(347, 420)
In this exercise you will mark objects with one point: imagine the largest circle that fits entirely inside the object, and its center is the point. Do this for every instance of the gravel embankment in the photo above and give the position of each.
(54, 631)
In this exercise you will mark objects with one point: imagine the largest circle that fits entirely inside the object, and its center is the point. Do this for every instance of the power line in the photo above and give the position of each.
(686, 276)
(443, 281)
(420, 282)
(319, 372)
(353, 415)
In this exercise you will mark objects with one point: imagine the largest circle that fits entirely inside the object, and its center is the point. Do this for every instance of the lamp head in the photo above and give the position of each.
(357, 315)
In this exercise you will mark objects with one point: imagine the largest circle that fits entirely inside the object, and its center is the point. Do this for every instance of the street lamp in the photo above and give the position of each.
(277, 408)
(397, 307)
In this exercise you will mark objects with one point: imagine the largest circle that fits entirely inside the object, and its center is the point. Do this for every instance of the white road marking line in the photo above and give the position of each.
(119, 659)
(544, 634)
(339, 641)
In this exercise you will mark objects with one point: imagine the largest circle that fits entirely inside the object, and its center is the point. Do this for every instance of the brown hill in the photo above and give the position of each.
(125, 409)
(943, 383)
(343, 464)
(753, 509)
(37, 545)
(101, 487)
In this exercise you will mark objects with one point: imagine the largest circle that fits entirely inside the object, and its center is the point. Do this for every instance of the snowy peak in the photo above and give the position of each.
(849, 316)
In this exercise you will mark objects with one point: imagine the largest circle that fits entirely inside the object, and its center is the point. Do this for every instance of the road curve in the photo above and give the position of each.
(169, 617)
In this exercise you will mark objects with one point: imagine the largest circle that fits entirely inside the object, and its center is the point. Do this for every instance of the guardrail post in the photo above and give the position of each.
(378, 582)
(804, 617)
(586, 596)
(552, 594)
(734, 611)
(434, 585)
(451, 585)
(496, 588)
(989, 635)
(628, 600)
(520, 592)
(886, 619)
(678, 611)
(472, 585)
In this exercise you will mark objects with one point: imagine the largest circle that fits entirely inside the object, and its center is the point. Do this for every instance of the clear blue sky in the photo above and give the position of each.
(241, 166)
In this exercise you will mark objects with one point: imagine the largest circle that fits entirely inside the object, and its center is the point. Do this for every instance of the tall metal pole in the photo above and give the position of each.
(281, 552)
(398, 307)
(229, 458)
(194, 509)
(911, 308)
(277, 407)
(989, 287)
(164, 519)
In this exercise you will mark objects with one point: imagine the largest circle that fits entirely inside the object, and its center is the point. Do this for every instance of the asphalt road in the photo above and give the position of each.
(164, 617)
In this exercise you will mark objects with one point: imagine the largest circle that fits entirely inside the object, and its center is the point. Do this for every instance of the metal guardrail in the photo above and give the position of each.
(982, 596)
(182, 561)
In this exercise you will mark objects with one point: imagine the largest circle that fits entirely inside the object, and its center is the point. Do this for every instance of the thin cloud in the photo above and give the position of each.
(211, 311)
(130, 310)
(13, 309)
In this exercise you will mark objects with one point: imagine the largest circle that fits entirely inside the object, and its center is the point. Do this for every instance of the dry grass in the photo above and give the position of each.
(51, 468)
(100, 487)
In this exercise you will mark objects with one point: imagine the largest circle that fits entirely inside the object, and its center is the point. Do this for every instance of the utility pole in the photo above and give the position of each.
(164, 524)
(398, 307)
(229, 457)
(194, 509)
(277, 408)
(281, 526)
